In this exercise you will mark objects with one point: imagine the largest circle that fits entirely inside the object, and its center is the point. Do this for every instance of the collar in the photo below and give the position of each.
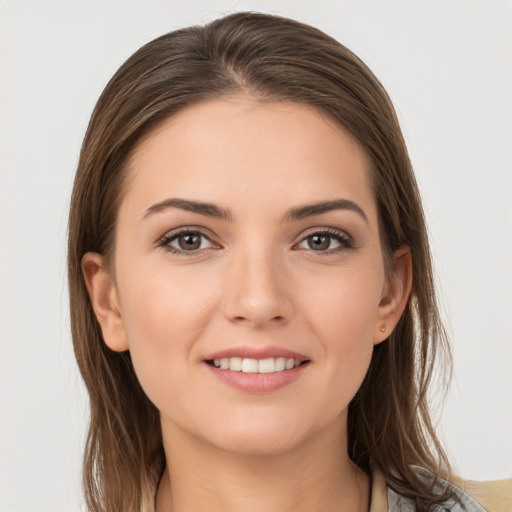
(384, 499)
(379, 495)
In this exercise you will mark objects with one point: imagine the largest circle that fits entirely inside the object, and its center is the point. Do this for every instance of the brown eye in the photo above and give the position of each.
(328, 241)
(186, 242)
(319, 242)
(189, 242)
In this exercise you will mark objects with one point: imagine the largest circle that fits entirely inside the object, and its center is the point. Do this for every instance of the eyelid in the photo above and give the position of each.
(171, 235)
(325, 229)
(346, 241)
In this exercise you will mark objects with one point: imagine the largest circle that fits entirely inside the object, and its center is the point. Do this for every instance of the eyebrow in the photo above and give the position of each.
(296, 213)
(309, 210)
(207, 209)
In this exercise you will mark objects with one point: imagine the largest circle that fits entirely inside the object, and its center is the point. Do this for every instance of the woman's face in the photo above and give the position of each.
(247, 238)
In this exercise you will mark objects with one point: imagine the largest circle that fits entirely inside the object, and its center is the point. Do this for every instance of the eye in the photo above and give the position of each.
(326, 241)
(186, 241)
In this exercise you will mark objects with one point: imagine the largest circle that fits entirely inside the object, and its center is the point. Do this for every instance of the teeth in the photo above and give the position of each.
(250, 365)
(289, 364)
(269, 365)
(235, 364)
(280, 364)
(266, 365)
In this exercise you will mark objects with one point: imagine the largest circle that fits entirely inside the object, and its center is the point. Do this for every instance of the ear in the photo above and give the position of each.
(105, 303)
(395, 295)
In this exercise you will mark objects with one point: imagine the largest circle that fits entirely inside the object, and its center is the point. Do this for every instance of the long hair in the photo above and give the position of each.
(273, 59)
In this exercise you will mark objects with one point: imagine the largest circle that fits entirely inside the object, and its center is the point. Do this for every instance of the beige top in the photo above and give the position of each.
(492, 496)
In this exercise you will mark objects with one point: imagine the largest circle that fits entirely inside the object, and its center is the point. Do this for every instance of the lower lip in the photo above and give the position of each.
(257, 382)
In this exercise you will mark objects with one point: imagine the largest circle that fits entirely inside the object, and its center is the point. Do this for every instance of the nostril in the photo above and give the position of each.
(256, 310)
(275, 318)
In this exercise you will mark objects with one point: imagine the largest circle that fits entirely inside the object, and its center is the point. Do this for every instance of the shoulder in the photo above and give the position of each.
(469, 496)
(493, 496)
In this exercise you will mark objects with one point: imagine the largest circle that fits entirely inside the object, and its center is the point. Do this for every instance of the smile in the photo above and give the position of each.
(257, 369)
(247, 365)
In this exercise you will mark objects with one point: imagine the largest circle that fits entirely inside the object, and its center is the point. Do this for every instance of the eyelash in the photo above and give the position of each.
(165, 241)
(342, 238)
(345, 241)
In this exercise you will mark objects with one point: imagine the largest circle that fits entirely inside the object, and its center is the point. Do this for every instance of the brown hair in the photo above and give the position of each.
(276, 59)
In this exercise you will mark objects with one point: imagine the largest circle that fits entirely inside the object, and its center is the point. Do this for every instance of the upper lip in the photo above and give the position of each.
(248, 352)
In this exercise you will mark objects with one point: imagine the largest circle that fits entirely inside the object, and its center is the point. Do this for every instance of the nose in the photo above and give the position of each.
(257, 292)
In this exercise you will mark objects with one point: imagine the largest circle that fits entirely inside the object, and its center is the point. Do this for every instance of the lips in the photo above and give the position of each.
(257, 353)
(260, 369)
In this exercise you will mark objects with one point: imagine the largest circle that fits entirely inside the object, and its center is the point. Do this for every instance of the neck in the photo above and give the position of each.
(316, 475)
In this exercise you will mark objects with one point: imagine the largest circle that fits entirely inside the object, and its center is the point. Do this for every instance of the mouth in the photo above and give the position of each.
(250, 365)
(257, 369)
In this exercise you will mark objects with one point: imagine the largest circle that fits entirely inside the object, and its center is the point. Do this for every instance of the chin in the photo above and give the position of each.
(258, 441)
(267, 435)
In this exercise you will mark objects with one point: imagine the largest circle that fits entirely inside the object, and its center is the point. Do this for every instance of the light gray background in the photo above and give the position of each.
(447, 65)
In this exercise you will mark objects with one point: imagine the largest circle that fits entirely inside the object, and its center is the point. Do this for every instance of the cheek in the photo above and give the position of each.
(346, 301)
(342, 314)
(161, 304)
(164, 314)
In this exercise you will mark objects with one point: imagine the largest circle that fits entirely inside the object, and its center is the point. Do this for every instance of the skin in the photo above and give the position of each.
(255, 280)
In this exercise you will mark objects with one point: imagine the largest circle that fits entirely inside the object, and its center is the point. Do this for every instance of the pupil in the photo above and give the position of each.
(190, 242)
(319, 242)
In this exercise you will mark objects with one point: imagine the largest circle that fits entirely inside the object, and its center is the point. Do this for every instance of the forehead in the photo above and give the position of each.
(240, 150)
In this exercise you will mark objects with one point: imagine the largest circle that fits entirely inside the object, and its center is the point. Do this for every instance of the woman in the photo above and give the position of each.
(252, 301)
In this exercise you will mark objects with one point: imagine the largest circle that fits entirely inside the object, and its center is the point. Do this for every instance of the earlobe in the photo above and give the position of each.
(395, 296)
(104, 300)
